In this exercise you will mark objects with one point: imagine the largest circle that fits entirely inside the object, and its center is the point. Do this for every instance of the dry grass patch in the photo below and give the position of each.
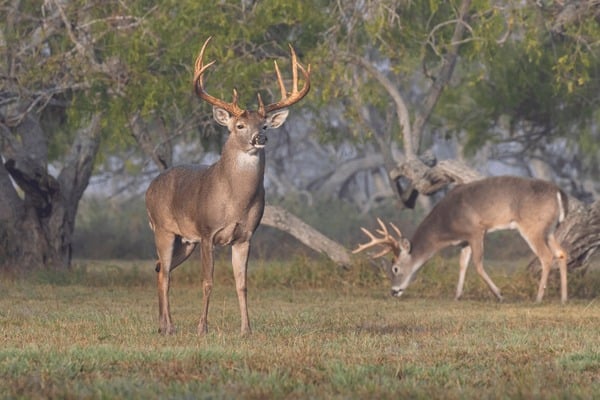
(334, 334)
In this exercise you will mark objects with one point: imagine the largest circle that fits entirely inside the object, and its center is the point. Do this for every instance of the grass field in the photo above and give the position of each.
(319, 332)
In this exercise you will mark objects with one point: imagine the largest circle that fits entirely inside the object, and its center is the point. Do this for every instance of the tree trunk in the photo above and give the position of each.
(37, 226)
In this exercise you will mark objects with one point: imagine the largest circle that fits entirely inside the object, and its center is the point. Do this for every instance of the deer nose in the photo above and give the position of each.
(396, 292)
(259, 140)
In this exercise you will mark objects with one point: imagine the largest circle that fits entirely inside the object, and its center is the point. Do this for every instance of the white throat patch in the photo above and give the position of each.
(247, 160)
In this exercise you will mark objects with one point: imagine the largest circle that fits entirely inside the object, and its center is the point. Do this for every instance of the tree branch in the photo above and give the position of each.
(441, 81)
(281, 219)
(401, 109)
(79, 163)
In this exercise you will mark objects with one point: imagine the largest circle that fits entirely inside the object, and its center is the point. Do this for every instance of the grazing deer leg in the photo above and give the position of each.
(561, 256)
(164, 245)
(477, 249)
(546, 261)
(208, 267)
(538, 241)
(465, 257)
(239, 259)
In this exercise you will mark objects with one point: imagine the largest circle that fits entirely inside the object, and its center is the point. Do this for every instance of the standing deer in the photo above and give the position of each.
(465, 214)
(221, 204)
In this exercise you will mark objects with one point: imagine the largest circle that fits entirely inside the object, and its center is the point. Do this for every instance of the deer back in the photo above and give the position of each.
(503, 202)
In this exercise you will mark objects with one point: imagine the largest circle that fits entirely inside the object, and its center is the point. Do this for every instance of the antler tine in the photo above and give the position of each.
(296, 95)
(365, 246)
(389, 243)
(199, 70)
(395, 228)
(294, 70)
(280, 81)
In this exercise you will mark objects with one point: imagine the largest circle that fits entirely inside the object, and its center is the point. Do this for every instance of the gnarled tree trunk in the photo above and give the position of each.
(37, 222)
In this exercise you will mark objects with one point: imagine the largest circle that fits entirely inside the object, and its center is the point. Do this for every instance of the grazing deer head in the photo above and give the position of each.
(465, 214)
(220, 204)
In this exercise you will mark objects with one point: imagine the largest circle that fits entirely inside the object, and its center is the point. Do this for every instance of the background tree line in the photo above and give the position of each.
(97, 89)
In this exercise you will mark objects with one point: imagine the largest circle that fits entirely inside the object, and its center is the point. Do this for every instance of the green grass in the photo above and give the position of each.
(319, 332)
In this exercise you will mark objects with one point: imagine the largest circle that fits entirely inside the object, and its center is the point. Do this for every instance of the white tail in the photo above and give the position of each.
(221, 204)
(466, 213)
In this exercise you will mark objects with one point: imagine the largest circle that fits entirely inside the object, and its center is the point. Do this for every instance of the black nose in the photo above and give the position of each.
(259, 139)
(396, 293)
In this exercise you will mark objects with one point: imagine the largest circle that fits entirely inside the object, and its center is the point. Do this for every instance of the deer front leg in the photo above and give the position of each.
(465, 256)
(164, 248)
(239, 259)
(208, 267)
(477, 251)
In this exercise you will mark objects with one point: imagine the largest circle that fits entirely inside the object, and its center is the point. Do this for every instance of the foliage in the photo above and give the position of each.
(95, 337)
(537, 83)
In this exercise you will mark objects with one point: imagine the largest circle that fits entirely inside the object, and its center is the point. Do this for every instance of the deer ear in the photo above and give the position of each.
(405, 245)
(221, 116)
(276, 119)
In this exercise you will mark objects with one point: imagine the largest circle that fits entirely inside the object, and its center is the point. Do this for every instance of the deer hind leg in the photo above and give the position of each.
(539, 243)
(561, 256)
(165, 242)
(239, 260)
(172, 252)
(465, 257)
(477, 250)
(208, 267)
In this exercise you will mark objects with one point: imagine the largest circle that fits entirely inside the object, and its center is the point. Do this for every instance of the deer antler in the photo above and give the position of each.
(386, 240)
(295, 95)
(232, 108)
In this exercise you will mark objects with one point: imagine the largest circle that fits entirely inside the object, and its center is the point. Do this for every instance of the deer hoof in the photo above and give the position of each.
(169, 330)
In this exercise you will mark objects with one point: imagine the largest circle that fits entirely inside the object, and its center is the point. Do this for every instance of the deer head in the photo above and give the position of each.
(399, 246)
(248, 127)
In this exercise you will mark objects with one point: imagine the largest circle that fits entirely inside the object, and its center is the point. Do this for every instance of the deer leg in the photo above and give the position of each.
(164, 247)
(239, 260)
(546, 262)
(538, 243)
(561, 255)
(477, 250)
(208, 267)
(465, 257)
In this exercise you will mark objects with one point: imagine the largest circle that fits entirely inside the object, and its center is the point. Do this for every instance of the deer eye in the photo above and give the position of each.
(395, 270)
(240, 126)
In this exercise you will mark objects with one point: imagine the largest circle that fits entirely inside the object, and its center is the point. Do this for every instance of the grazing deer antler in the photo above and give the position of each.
(389, 242)
(199, 70)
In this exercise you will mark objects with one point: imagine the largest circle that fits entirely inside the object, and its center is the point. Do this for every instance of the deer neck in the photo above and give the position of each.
(426, 242)
(244, 171)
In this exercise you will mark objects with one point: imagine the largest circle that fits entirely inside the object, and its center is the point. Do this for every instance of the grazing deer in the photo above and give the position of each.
(465, 214)
(221, 204)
